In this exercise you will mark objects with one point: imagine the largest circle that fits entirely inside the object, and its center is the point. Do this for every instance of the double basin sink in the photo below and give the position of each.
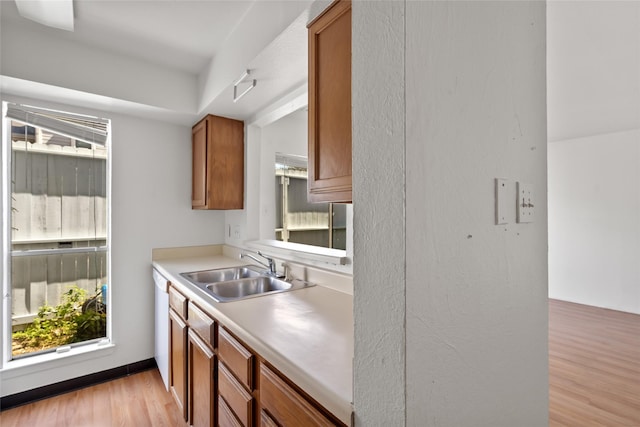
(235, 283)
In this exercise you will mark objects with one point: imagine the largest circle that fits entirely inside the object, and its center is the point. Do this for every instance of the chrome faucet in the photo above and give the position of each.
(270, 264)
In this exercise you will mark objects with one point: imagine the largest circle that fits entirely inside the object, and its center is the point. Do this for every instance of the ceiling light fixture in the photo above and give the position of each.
(242, 78)
(52, 13)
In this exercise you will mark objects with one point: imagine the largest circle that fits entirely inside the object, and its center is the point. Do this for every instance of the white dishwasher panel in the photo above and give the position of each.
(162, 326)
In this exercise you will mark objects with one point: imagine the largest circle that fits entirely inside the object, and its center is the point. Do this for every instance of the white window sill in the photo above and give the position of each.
(48, 361)
(297, 251)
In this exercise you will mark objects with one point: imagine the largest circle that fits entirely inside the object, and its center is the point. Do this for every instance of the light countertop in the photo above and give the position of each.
(306, 334)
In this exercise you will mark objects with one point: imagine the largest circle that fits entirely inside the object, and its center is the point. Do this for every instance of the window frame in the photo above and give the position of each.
(7, 360)
(258, 235)
(289, 169)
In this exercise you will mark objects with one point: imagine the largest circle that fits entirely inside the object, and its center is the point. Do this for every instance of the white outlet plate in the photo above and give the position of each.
(526, 203)
(502, 201)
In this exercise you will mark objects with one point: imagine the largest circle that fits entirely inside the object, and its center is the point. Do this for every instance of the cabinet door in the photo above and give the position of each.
(285, 405)
(226, 417)
(218, 164)
(225, 163)
(201, 383)
(266, 420)
(330, 105)
(178, 361)
(199, 167)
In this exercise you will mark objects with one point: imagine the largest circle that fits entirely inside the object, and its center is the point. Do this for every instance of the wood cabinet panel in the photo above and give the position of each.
(266, 420)
(218, 164)
(330, 166)
(238, 399)
(202, 324)
(226, 418)
(178, 302)
(199, 166)
(236, 357)
(286, 406)
(201, 382)
(178, 361)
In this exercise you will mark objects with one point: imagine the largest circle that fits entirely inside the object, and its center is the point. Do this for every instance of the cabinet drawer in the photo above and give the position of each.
(285, 404)
(178, 302)
(202, 324)
(226, 418)
(266, 420)
(238, 399)
(236, 357)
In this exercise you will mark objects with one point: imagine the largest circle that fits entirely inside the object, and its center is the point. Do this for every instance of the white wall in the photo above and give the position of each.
(256, 221)
(476, 292)
(593, 64)
(151, 208)
(594, 231)
(450, 309)
(288, 136)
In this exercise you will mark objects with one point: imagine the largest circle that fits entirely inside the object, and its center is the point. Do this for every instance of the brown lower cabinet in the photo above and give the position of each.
(201, 382)
(237, 398)
(266, 420)
(219, 381)
(178, 360)
(286, 406)
(226, 417)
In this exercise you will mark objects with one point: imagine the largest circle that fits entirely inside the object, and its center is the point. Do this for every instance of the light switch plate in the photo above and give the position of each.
(502, 201)
(526, 203)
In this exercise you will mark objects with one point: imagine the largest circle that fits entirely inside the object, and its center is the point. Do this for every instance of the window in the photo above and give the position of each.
(297, 220)
(275, 139)
(56, 248)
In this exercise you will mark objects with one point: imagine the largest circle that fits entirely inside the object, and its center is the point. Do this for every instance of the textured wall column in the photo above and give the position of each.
(476, 335)
(379, 212)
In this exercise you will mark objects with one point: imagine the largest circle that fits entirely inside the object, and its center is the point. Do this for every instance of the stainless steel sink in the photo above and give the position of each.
(223, 274)
(243, 288)
(235, 283)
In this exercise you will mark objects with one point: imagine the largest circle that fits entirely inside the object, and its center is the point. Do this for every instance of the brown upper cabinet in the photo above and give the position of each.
(330, 105)
(218, 163)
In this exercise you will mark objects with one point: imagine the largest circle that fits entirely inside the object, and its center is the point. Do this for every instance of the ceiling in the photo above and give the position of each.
(593, 60)
(182, 34)
(593, 68)
(204, 45)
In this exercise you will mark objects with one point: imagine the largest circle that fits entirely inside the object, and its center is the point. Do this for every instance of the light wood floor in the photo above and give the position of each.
(594, 366)
(594, 378)
(139, 400)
